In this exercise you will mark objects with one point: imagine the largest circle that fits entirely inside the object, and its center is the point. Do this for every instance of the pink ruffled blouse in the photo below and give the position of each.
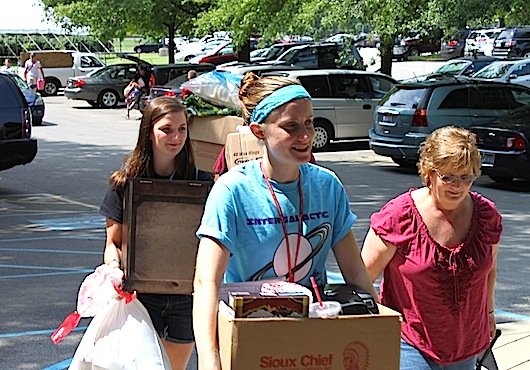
(441, 292)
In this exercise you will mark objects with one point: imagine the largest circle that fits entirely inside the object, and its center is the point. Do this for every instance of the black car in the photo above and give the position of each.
(16, 145)
(513, 42)
(34, 99)
(504, 145)
(148, 47)
(276, 50)
(455, 45)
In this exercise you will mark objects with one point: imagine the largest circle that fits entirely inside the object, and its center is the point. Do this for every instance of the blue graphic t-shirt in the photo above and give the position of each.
(241, 214)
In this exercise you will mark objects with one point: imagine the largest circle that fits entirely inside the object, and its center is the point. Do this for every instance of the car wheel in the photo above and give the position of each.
(404, 162)
(526, 53)
(138, 50)
(51, 87)
(188, 57)
(501, 179)
(323, 135)
(414, 52)
(108, 99)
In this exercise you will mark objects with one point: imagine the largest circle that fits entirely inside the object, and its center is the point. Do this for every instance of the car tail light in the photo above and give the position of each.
(169, 93)
(452, 43)
(79, 83)
(516, 142)
(511, 43)
(419, 119)
(26, 123)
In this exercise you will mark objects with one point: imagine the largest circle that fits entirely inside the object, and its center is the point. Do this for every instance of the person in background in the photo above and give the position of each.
(185, 92)
(437, 246)
(163, 151)
(276, 217)
(31, 71)
(6, 67)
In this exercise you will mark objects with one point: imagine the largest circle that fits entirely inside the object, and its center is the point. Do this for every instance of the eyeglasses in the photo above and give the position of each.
(448, 179)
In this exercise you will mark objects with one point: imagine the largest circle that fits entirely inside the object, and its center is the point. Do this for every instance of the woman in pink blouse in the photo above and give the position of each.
(437, 246)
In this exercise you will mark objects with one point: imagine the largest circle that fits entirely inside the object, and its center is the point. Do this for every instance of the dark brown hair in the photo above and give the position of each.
(139, 163)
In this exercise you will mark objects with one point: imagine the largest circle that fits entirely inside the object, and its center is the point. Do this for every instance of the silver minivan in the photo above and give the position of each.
(343, 101)
(410, 112)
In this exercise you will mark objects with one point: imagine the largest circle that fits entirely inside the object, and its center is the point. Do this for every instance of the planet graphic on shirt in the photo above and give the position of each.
(304, 260)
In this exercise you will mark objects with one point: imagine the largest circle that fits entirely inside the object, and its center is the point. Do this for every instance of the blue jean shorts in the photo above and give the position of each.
(413, 359)
(171, 315)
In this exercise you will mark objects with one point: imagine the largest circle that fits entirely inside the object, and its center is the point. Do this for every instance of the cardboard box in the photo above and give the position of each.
(208, 136)
(367, 342)
(242, 147)
(247, 304)
(159, 246)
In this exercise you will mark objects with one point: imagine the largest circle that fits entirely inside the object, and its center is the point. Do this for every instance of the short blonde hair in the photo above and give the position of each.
(448, 148)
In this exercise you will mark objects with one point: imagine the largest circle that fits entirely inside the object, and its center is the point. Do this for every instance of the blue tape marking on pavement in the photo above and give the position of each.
(82, 236)
(60, 366)
(512, 315)
(57, 271)
(72, 223)
(42, 268)
(47, 251)
(335, 277)
(45, 274)
(36, 332)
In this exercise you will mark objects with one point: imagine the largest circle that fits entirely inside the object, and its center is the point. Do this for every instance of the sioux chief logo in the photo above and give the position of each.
(355, 356)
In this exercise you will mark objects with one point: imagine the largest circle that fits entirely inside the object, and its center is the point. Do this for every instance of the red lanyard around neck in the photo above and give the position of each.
(300, 215)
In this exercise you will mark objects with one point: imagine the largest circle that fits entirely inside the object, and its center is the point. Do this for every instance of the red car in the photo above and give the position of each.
(223, 54)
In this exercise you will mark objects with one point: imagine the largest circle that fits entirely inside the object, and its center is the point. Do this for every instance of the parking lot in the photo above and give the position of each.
(53, 236)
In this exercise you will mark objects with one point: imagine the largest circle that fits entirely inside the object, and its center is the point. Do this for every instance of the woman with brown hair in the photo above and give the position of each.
(163, 151)
(437, 246)
(273, 218)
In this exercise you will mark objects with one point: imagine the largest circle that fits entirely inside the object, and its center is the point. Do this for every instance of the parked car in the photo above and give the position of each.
(34, 99)
(410, 112)
(513, 42)
(480, 42)
(463, 66)
(415, 44)
(193, 49)
(148, 47)
(16, 145)
(343, 101)
(454, 46)
(276, 50)
(504, 145)
(321, 56)
(223, 54)
(256, 68)
(105, 86)
(514, 71)
(172, 87)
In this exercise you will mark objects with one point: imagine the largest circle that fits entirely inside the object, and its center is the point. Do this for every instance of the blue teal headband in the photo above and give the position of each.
(278, 98)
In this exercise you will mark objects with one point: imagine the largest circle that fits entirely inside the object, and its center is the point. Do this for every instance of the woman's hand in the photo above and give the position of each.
(492, 325)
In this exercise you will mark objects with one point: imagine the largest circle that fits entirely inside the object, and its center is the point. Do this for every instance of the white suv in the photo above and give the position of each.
(343, 101)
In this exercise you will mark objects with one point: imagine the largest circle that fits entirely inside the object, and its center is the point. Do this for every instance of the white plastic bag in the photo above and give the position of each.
(219, 88)
(121, 337)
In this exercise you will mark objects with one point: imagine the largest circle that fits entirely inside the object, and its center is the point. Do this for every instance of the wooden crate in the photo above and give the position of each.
(159, 244)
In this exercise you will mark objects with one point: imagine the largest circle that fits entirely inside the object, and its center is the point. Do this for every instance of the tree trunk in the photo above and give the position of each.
(243, 55)
(386, 57)
(171, 43)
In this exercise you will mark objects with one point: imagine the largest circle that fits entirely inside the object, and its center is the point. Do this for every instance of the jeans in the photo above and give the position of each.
(414, 359)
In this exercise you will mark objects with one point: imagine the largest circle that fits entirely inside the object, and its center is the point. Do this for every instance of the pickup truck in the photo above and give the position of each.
(59, 66)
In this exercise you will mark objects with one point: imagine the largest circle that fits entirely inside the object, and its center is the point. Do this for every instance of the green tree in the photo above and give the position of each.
(110, 19)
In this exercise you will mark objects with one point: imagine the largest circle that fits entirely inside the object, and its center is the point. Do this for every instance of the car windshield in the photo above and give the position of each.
(495, 70)
(100, 71)
(453, 68)
(20, 82)
(273, 52)
(406, 98)
(506, 34)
